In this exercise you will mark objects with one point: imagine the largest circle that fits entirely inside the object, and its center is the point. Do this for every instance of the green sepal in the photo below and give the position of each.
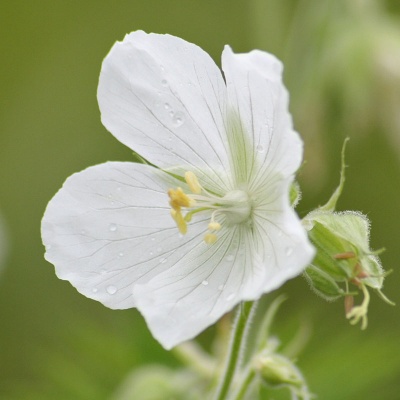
(322, 284)
(294, 194)
(336, 233)
(330, 205)
(137, 158)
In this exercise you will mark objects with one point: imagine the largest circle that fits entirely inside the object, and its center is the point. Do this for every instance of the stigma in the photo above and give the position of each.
(233, 208)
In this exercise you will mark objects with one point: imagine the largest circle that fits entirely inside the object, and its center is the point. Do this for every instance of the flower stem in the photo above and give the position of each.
(244, 385)
(236, 348)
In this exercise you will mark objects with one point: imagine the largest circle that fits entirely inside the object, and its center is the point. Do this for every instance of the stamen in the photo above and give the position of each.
(193, 182)
(234, 207)
(179, 199)
(210, 238)
(180, 221)
(214, 226)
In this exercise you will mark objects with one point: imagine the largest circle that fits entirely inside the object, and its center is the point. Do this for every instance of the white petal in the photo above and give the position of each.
(209, 281)
(280, 239)
(165, 98)
(109, 227)
(203, 285)
(256, 93)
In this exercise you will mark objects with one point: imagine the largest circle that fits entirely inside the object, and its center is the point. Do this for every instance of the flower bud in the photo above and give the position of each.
(343, 255)
(276, 370)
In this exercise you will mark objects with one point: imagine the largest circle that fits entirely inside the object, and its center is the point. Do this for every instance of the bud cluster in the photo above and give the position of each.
(344, 263)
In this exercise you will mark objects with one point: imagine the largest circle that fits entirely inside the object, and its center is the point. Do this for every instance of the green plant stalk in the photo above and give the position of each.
(236, 348)
(247, 380)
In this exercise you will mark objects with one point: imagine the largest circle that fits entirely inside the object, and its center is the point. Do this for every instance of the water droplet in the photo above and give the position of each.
(178, 119)
(152, 239)
(112, 203)
(221, 287)
(94, 290)
(170, 138)
(163, 260)
(230, 258)
(164, 82)
(119, 189)
(230, 297)
(204, 283)
(110, 196)
(112, 227)
(260, 148)
(151, 253)
(167, 106)
(171, 113)
(111, 289)
(289, 251)
(121, 254)
(162, 67)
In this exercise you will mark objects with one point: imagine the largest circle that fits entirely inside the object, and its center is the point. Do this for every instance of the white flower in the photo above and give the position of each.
(212, 225)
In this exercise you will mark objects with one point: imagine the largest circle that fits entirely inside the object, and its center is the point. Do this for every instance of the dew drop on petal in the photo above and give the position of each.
(121, 254)
(289, 251)
(164, 82)
(230, 297)
(111, 289)
(204, 283)
(260, 148)
(162, 67)
(163, 260)
(221, 287)
(171, 113)
(167, 106)
(178, 119)
(112, 227)
(151, 253)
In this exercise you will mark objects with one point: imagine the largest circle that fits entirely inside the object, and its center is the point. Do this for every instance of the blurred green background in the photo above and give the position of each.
(342, 67)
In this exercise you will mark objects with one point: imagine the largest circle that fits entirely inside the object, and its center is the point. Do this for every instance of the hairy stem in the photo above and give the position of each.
(236, 347)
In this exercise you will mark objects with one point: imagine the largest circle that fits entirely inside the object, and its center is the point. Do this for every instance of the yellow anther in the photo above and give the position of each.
(179, 199)
(180, 221)
(214, 226)
(193, 182)
(210, 238)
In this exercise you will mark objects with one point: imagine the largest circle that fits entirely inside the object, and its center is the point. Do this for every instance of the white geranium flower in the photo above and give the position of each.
(211, 224)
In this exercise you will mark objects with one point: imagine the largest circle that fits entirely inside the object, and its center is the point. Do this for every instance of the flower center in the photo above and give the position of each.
(233, 208)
